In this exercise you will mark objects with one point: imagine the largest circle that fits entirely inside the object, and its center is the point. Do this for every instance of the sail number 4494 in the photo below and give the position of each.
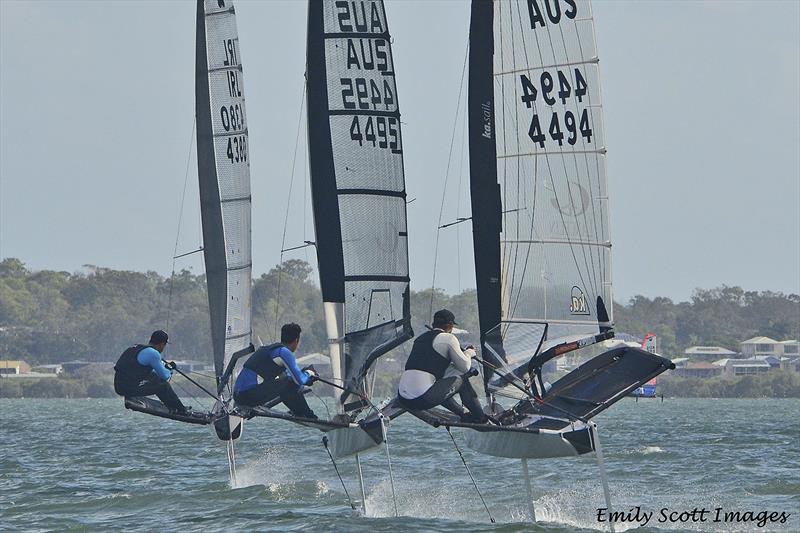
(567, 88)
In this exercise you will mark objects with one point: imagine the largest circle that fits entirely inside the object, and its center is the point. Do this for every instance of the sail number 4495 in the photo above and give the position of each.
(382, 132)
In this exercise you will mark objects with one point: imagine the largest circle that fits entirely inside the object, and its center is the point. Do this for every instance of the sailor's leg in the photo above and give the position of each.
(168, 397)
(441, 393)
(470, 400)
(454, 407)
(258, 395)
(162, 389)
(295, 401)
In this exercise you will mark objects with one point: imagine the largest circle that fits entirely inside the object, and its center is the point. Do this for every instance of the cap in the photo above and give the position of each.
(444, 316)
(159, 336)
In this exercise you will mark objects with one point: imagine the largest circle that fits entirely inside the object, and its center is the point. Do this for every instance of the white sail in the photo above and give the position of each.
(551, 164)
(224, 171)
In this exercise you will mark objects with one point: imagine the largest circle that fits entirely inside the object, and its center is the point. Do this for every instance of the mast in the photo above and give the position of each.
(484, 189)
(357, 187)
(224, 175)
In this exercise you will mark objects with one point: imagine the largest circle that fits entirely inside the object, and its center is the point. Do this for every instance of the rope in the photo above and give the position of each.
(189, 395)
(349, 500)
(180, 217)
(288, 202)
(446, 176)
(324, 403)
(385, 427)
(470, 474)
(179, 371)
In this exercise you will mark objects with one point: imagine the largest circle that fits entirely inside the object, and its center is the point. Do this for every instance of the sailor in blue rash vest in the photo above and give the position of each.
(276, 366)
(140, 371)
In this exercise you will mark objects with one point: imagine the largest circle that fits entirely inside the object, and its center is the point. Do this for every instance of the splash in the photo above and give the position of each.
(270, 470)
(647, 450)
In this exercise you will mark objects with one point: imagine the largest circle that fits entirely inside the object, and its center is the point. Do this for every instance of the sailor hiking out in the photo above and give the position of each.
(436, 369)
(140, 371)
(276, 367)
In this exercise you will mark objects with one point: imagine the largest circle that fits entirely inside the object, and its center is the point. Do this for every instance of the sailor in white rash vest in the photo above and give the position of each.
(436, 370)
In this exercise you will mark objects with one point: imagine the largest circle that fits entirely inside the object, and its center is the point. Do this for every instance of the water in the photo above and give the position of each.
(90, 465)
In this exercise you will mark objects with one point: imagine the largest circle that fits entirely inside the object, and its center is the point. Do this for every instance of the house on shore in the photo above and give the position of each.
(13, 367)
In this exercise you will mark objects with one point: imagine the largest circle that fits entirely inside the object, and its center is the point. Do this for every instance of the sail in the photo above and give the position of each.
(357, 185)
(224, 173)
(538, 175)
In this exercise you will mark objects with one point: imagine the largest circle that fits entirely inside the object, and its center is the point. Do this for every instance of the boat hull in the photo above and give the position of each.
(543, 444)
(344, 442)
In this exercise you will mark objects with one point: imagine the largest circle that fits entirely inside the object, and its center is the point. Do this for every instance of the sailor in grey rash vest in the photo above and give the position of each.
(140, 371)
(435, 371)
(276, 366)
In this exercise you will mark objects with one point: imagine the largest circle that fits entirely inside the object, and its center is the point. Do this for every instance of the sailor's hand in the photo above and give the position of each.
(312, 375)
(467, 347)
(170, 365)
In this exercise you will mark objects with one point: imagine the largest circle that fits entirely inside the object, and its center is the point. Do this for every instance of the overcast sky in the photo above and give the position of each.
(702, 114)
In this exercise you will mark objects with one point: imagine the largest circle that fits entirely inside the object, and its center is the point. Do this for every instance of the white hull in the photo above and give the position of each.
(523, 445)
(345, 442)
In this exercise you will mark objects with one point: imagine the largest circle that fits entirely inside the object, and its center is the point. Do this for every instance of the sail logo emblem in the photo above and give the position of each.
(575, 204)
(577, 305)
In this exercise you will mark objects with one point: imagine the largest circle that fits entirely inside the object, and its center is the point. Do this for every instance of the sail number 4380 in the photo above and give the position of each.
(237, 149)
(382, 132)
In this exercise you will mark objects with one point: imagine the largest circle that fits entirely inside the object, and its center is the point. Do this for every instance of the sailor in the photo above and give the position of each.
(436, 369)
(281, 378)
(140, 371)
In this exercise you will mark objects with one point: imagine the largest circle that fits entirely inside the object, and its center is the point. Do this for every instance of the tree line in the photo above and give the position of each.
(51, 317)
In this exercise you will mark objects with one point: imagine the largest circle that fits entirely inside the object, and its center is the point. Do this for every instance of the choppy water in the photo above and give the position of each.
(78, 465)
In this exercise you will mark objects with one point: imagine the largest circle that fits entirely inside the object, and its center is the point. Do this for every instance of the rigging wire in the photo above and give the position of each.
(446, 177)
(346, 493)
(180, 218)
(474, 484)
(286, 216)
(232, 461)
(459, 195)
(385, 426)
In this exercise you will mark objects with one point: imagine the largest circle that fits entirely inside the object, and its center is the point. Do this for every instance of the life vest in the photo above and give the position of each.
(263, 364)
(128, 369)
(424, 357)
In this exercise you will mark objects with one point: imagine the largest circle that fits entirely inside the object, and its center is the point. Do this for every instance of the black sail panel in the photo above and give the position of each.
(358, 184)
(327, 224)
(484, 189)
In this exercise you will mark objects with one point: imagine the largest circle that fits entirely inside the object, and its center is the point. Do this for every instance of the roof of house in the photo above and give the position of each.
(314, 359)
(708, 350)
(747, 362)
(702, 366)
(759, 340)
(11, 362)
(789, 342)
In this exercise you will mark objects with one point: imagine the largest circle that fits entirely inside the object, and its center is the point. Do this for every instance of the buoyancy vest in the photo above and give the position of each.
(424, 357)
(262, 363)
(128, 369)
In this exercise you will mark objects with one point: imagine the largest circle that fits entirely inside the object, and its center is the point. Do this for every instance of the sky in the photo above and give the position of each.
(701, 106)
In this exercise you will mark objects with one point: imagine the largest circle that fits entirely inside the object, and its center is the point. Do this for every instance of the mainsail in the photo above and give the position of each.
(538, 176)
(224, 172)
(358, 187)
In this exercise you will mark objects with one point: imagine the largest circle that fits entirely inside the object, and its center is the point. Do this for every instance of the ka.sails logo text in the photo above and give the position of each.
(487, 119)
